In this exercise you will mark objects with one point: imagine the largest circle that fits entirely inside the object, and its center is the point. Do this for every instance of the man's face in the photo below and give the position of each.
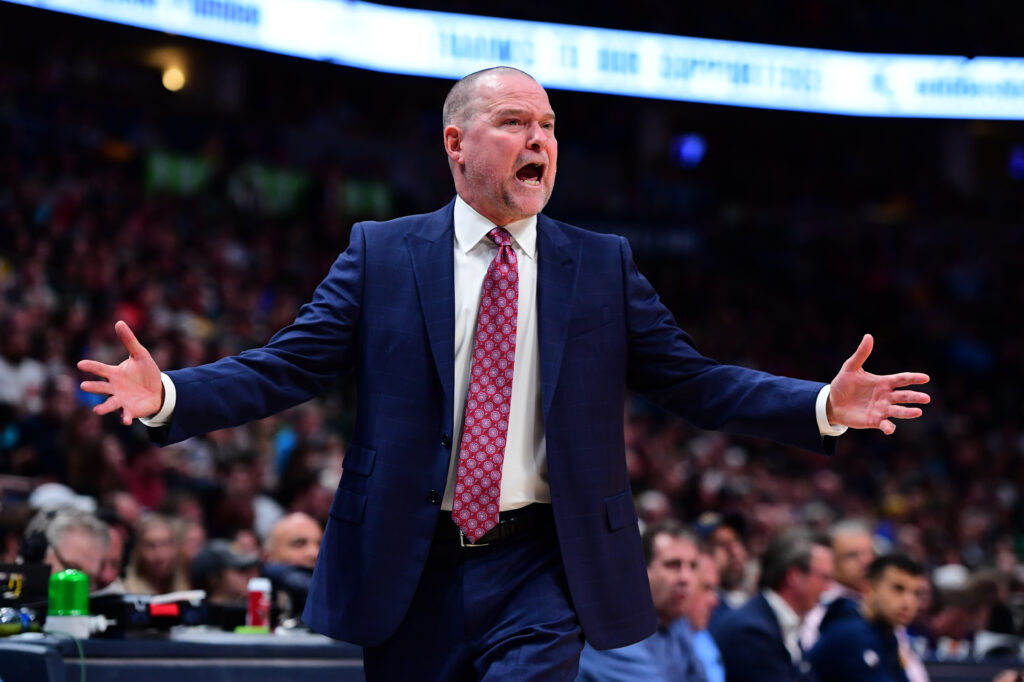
(233, 585)
(80, 550)
(895, 598)
(730, 555)
(295, 541)
(810, 584)
(504, 153)
(853, 554)
(673, 574)
(704, 598)
(111, 567)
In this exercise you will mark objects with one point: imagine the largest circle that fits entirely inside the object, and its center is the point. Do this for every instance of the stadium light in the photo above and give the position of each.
(173, 78)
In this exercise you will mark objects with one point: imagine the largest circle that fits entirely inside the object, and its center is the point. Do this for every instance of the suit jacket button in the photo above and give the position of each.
(434, 497)
(446, 441)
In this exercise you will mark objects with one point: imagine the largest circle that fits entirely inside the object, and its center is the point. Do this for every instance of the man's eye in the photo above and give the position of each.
(512, 122)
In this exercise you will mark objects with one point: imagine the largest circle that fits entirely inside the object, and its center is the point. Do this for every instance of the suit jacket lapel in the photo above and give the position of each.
(432, 252)
(556, 281)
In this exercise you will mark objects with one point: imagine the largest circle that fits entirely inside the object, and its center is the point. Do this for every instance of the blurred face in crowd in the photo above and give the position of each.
(294, 540)
(232, 584)
(157, 551)
(808, 585)
(853, 553)
(895, 597)
(193, 537)
(502, 149)
(730, 555)
(673, 575)
(112, 560)
(704, 599)
(80, 550)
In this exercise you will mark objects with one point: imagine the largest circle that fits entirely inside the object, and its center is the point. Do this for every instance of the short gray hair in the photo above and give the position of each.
(790, 548)
(67, 519)
(849, 527)
(458, 105)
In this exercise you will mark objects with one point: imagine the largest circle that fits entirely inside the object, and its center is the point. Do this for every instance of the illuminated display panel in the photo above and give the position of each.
(444, 45)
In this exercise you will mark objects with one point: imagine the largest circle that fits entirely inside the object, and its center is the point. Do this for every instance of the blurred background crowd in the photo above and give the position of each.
(205, 218)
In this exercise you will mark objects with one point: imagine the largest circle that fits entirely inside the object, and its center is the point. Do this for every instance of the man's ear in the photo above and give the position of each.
(453, 143)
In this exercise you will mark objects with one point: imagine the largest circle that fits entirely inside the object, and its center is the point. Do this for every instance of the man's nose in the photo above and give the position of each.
(536, 136)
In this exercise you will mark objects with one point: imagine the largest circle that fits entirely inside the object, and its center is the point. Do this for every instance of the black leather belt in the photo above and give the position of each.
(529, 520)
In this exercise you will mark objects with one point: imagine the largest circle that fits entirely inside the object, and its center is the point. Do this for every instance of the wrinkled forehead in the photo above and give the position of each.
(497, 92)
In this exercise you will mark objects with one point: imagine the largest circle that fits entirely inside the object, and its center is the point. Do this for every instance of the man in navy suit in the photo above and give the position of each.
(563, 563)
(863, 647)
(761, 640)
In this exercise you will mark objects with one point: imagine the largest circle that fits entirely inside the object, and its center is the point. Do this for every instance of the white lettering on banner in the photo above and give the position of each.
(227, 11)
(425, 43)
(490, 49)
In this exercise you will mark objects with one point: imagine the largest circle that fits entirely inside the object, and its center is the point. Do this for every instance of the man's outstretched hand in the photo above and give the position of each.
(134, 386)
(861, 400)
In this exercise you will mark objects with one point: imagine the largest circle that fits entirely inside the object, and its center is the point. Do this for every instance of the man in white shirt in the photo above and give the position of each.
(761, 640)
(471, 449)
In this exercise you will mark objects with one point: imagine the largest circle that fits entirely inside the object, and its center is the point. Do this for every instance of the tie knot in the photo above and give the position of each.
(500, 236)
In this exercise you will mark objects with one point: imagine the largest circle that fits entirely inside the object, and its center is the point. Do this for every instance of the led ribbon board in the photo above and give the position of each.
(443, 45)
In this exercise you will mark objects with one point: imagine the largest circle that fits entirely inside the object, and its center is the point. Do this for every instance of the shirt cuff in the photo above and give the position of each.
(821, 413)
(163, 417)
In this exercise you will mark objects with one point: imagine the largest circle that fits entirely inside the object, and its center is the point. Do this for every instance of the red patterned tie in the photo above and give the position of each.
(485, 423)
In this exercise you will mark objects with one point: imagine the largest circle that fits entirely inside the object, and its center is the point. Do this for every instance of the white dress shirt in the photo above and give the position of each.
(524, 471)
(789, 622)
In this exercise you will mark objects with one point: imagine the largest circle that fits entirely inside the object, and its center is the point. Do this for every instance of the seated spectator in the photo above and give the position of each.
(223, 571)
(853, 552)
(68, 539)
(290, 555)
(699, 608)
(671, 554)
(864, 647)
(761, 640)
(294, 540)
(154, 567)
(725, 535)
(109, 577)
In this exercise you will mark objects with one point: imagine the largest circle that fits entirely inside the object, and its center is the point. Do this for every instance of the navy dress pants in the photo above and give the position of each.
(500, 612)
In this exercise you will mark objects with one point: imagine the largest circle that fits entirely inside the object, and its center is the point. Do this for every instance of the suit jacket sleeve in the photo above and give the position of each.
(295, 365)
(664, 365)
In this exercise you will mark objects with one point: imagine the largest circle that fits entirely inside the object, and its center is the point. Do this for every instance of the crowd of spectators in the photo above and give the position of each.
(776, 256)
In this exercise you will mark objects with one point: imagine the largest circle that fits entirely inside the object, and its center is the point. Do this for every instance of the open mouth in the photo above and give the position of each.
(531, 174)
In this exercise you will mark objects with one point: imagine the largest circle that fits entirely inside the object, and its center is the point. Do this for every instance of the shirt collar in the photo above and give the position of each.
(471, 227)
(788, 618)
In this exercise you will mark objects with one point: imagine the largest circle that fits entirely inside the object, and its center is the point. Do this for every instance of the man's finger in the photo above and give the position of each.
(915, 397)
(124, 333)
(901, 412)
(886, 427)
(108, 405)
(907, 379)
(93, 367)
(856, 361)
(99, 387)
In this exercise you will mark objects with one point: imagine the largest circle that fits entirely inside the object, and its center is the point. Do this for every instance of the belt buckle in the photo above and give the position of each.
(464, 543)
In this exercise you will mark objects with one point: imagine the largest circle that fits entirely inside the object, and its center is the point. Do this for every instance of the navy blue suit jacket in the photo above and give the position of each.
(386, 312)
(752, 647)
(854, 650)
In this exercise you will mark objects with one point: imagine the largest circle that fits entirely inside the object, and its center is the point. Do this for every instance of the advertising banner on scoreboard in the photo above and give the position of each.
(444, 45)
